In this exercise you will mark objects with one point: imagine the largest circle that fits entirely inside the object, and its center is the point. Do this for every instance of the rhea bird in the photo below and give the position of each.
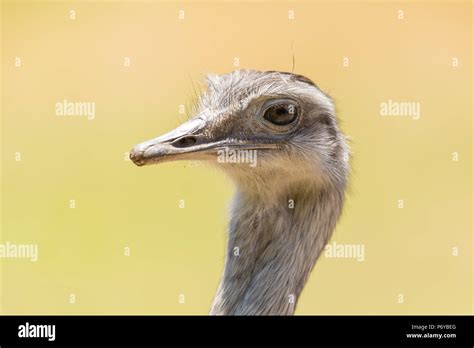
(286, 207)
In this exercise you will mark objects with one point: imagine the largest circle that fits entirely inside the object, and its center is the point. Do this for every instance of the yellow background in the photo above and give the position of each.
(177, 251)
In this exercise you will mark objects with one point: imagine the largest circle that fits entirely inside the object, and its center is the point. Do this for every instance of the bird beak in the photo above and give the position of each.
(186, 142)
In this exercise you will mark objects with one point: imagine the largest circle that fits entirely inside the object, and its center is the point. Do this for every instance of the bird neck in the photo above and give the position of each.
(272, 247)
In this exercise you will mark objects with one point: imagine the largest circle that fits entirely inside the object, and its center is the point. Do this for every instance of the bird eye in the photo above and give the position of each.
(281, 114)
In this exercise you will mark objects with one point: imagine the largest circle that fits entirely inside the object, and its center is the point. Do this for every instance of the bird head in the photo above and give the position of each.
(259, 127)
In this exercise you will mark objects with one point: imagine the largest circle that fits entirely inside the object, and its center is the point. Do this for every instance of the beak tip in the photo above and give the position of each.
(136, 158)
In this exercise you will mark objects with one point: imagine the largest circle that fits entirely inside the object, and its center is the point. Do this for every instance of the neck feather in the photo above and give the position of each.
(272, 247)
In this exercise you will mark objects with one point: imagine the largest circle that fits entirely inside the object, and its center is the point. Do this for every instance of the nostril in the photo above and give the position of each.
(184, 142)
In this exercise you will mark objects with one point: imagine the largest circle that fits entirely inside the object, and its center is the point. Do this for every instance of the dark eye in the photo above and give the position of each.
(281, 114)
